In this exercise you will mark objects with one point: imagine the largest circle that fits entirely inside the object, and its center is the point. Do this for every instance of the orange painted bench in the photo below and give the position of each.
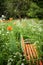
(30, 51)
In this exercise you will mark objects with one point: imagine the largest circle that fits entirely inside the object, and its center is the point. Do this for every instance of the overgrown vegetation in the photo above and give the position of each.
(21, 8)
(10, 43)
(11, 52)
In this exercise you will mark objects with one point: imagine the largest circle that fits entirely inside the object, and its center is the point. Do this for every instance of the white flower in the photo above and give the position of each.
(7, 32)
(10, 59)
(20, 55)
(40, 29)
(3, 34)
(9, 63)
(23, 59)
(14, 56)
(22, 64)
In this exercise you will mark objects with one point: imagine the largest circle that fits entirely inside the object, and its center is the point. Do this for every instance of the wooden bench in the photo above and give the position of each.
(30, 51)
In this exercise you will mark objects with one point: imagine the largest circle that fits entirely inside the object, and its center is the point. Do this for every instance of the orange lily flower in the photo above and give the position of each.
(9, 28)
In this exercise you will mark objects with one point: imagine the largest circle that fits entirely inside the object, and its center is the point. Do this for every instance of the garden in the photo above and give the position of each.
(10, 40)
(21, 32)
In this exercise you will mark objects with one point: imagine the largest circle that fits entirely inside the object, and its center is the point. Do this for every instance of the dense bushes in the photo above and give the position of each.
(21, 8)
(17, 8)
(32, 11)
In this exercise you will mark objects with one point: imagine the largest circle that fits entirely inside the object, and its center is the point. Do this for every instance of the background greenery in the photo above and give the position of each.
(21, 8)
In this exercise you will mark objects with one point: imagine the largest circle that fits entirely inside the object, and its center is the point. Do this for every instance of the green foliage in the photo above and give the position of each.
(40, 13)
(21, 8)
(33, 10)
(2, 7)
(10, 43)
(32, 29)
(17, 8)
(17, 59)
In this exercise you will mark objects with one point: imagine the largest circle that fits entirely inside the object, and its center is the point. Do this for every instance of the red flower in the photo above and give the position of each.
(9, 28)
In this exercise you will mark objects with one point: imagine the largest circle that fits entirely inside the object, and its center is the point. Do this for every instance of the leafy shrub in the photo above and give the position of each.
(32, 11)
(40, 13)
(21, 8)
